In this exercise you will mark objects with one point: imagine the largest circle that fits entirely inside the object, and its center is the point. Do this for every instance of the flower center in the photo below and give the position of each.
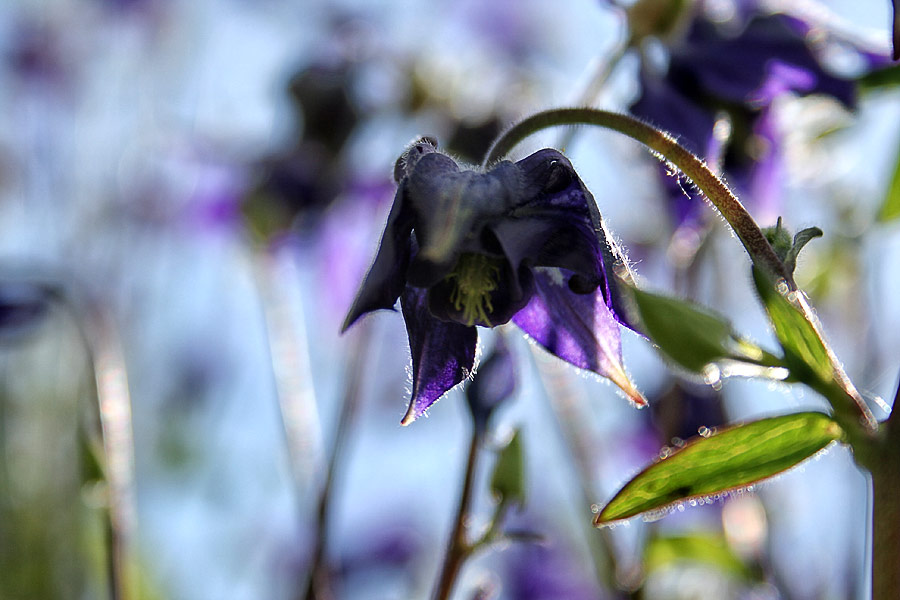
(474, 278)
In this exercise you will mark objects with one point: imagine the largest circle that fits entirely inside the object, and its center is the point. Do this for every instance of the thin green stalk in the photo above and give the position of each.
(113, 409)
(319, 584)
(458, 547)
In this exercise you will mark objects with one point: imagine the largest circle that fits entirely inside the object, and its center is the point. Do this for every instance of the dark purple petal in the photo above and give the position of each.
(451, 207)
(578, 328)
(554, 225)
(443, 353)
(560, 226)
(386, 278)
(494, 383)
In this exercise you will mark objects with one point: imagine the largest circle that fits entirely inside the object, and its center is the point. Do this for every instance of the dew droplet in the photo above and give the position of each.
(712, 375)
(704, 431)
(595, 508)
(782, 287)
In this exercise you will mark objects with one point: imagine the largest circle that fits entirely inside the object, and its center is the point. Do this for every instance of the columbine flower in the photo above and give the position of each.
(520, 242)
(715, 70)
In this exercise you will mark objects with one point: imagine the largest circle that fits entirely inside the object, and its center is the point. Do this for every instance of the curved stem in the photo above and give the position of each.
(751, 236)
(756, 244)
(458, 548)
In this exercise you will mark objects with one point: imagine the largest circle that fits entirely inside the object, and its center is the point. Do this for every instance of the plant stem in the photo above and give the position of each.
(458, 548)
(748, 232)
(113, 410)
(759, 249)
(885, 470)
(319, 585)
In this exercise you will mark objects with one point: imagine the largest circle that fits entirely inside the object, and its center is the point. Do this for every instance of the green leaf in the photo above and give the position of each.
(802, 238)
(508, 480)
(887, 77)
(890, 209)
(691, 335)
(731, 459)
(804, 351)
(712, 550)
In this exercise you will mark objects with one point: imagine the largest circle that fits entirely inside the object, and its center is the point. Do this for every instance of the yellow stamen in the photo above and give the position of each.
(474, 278)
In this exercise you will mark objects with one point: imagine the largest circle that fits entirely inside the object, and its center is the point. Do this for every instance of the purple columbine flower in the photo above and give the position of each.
(522, 242)
(715, 70)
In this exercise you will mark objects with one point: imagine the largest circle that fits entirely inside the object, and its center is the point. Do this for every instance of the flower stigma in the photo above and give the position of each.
(474, 278)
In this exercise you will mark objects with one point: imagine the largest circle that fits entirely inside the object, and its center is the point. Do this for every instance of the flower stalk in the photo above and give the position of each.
(751, 236)
(850, 409)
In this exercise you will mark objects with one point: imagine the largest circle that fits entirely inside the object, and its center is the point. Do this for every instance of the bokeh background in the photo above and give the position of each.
(190, 193)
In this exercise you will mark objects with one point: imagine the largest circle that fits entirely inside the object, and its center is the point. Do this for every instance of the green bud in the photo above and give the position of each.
(787, 248)
(508, 480)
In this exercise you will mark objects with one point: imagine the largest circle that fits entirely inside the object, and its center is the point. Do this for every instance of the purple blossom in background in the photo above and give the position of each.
(715, 71)
(546, 571)
(463, 248)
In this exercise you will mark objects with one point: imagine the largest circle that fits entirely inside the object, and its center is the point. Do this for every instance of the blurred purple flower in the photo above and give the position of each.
(712, 71)
(683, 409)
(546, 571)
(465, 248)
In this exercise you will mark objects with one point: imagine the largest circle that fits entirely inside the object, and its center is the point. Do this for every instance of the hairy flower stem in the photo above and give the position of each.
(759, 249)
(885, 469)
(319, 583)
(877, 451)
(458, 547)
(850, 410)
